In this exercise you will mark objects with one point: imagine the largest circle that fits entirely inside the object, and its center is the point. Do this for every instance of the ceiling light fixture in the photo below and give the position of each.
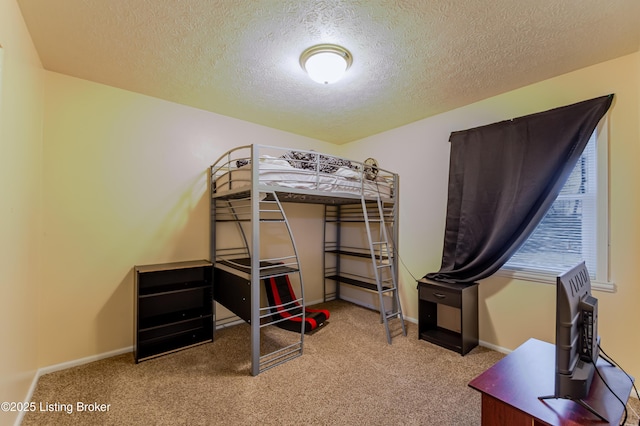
(326, 63)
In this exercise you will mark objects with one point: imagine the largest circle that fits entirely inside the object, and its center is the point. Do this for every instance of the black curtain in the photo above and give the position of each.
(502, 180)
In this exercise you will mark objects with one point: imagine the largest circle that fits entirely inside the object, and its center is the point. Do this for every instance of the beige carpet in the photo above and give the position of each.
(348, 375)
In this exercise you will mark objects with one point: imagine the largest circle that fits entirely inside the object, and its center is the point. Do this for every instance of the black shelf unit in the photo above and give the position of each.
(463, 297)
(173, 307)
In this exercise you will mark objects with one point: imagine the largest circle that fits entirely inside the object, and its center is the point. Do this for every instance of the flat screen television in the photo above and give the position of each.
(577, 338)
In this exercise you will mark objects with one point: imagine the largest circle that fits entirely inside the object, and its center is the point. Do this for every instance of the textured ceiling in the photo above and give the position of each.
(412, 59)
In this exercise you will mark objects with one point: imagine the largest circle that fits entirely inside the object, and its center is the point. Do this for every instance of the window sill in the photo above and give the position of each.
(550, 278)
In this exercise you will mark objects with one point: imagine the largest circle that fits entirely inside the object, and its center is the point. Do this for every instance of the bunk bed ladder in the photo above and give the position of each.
(382, 257)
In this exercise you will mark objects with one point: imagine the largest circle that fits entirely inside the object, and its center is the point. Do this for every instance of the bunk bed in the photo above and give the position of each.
(248, 186)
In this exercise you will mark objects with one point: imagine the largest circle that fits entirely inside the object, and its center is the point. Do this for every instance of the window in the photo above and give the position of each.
(576, 226)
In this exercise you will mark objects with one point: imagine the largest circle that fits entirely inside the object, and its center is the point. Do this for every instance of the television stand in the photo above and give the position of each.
(581, 381)
(579, 402)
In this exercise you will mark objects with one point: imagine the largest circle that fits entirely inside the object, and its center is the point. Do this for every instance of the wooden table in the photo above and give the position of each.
(510, 391)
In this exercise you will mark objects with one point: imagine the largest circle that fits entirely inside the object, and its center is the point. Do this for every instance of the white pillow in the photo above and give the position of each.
(347, 173)
(274, 161)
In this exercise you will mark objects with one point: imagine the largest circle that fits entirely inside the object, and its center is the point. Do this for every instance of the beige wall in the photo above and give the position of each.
(21, 87)
(513, 311)
(125, 184)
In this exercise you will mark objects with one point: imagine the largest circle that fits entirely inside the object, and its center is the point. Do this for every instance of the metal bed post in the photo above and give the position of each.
(255, 263)
(396, 226)
(212, 240)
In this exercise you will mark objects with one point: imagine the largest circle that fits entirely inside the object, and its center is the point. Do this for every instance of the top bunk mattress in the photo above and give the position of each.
(304, 172)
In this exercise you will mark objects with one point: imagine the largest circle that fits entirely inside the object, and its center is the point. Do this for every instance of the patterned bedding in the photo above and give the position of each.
(305, 171)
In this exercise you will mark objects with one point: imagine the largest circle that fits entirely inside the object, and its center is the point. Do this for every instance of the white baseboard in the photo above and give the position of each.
(63, 366)
(494, 347)
(410, 319)
(230, 322)
(86, 360)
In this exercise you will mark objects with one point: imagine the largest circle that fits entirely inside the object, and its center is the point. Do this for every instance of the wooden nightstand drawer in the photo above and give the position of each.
(443, 296)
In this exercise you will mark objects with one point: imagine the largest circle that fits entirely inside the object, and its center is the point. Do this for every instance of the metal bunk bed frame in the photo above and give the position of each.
(249, 205)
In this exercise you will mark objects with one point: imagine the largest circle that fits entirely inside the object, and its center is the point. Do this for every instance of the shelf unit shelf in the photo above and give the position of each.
(355, 254)
(354, 282)
(173, 307)
(170, 289)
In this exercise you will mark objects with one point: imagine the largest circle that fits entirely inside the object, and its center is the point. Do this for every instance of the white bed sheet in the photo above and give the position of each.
(278, 173)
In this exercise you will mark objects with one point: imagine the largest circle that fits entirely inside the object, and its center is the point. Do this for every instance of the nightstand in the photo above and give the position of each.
(463, 297)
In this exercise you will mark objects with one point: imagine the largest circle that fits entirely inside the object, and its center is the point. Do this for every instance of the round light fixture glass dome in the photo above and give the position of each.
(326, 63)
